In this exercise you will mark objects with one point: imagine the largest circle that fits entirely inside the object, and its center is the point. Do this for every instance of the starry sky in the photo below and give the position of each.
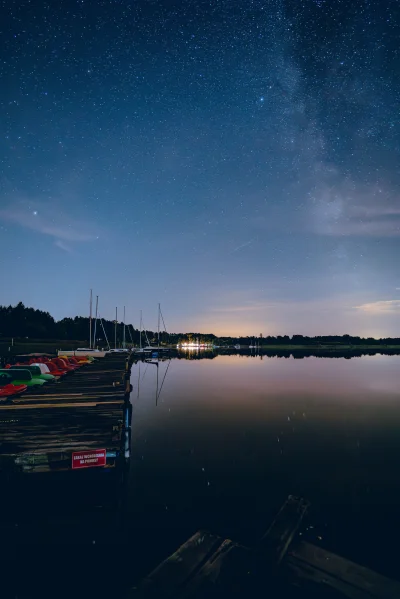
(237, 161)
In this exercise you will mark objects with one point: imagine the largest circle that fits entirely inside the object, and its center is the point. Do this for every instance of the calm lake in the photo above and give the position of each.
(220, 443)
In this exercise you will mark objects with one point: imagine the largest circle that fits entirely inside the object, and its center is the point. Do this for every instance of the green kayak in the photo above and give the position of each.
(35, 372)
(19, 377)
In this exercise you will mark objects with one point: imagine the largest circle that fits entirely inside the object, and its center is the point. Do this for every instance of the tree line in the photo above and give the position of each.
(21, 322)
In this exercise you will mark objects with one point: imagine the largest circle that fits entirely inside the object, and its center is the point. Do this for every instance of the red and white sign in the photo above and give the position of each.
(88, 459)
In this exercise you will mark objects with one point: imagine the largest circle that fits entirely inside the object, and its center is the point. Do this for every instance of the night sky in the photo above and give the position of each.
(237, 161)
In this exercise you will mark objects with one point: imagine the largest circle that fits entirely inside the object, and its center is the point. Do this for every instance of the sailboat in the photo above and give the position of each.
(90, 351)
(123, 349)
(142, 350)
(151, 349)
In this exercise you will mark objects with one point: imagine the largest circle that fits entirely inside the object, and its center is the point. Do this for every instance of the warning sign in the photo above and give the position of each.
(88, 459)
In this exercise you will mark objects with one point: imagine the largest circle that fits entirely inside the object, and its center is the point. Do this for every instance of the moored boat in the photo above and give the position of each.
(8, 390)
(81, 351)
(34, 370)
(20, 377)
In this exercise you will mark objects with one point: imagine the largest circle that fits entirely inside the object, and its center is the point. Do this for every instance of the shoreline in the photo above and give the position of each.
(6, 350)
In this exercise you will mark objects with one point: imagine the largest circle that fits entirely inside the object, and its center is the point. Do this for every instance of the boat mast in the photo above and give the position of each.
(104, 331)
(130, 335)
(115, 328)
(95, 323)
(162, 318)
(90, 318)
(159, 309)
(124, 345)
(147, 338)
(140, 335)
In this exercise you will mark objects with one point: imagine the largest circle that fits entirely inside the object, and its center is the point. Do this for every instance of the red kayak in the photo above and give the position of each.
(67, 363)
(74, 362)
(54, 370)
(62, 365)
(12, 390)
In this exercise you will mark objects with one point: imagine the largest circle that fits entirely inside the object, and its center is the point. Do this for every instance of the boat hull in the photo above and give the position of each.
(83, 353)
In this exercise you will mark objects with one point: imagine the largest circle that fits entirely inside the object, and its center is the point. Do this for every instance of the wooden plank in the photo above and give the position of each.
(275, 542)
(365, 581)
(55, 398)
(34, 397)
(42, 469)
(225, 574)
(170, 576)
(312, 582)
(59, 405)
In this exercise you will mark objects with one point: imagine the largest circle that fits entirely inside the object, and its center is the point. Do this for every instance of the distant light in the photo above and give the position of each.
(35, 213)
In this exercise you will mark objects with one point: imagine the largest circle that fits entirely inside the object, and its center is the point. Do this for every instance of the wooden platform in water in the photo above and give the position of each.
(83, 410)
(280, 565)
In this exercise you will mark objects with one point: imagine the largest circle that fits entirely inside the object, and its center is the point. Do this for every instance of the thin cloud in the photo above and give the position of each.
(346, 209)
(254, 307)
(385, 228)
(49, 219)
(246, 307)
(381, 307)
(63, 246)
(278, 317)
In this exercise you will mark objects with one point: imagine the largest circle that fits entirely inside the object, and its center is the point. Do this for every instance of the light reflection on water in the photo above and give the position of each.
(231, 437)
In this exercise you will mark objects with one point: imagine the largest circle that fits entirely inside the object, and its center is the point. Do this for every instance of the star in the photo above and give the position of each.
(166, 130)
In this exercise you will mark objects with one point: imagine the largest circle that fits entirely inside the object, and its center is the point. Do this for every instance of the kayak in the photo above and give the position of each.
(34, 370)
(21, 377)
(11, 390)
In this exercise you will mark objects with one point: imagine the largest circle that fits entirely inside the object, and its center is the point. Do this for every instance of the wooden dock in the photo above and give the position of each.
(43, 498)
(280, 565)
(84, 410)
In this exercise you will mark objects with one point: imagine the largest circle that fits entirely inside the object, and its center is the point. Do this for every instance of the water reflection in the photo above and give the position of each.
(231, 435)
(298, 354)
(159, 382)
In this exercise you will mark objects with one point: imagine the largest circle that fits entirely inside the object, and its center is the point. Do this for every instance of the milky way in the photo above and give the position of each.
(237, 161)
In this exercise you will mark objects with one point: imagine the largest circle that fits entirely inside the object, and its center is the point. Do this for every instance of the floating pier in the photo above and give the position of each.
(64, 455)
(85, 410)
